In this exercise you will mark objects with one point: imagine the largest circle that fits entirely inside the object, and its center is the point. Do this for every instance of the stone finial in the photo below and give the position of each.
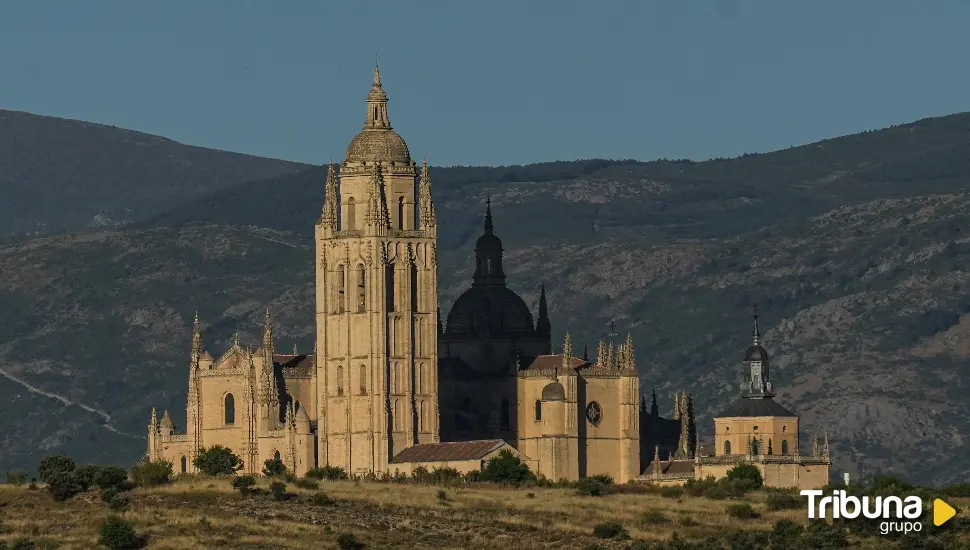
(196, 339)
(815, 451)
(825, 448)
(567, 352)
(294, 350)
(677, 411)
(428, 218)
(656, 461)
(631, 362)
(153, 425)
(328, 217)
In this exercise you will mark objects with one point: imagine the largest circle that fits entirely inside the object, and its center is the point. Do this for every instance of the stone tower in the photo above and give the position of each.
(376, 301)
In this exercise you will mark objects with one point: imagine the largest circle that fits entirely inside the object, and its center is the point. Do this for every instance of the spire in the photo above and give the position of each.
(656, 460)
(153, 425)
(631, 362)
(377, 215)
(377, 75)
(294, 349)
(654, 409)
(755, 331)
(196, 340)
(825, 447)
(543, 327)
(268, 335)
(428, 218)
(330, 200)
(377, 104)
(488, 215)
(567, 352)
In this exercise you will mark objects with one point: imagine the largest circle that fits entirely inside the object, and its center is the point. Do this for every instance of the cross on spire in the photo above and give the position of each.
(755, 331)
(612, 326)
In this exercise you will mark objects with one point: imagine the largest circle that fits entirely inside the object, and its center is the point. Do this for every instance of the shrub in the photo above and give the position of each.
(821, 536)
(52, 464)
(329, 473)
(655, 517)
(274, 467)
(64, 485)
(697, 487)
(320, 499)
(217, 461)
(605, 479)
(748, 475)
(474, 476)
(783, 500)
(117, 534)
(507, 469)
(278, 490)
(610, 530)
(149, 473)
(306, 483)
(115, 499)
(742, 511)
(442, 495)
(16, 477)
(590, 487)
(111, 476)
(347, 541)
(530, 495)
(785, 535)
(243, 484)
(671, 492)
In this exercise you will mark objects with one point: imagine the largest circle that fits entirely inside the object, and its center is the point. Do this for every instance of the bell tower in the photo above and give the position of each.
(376, 301)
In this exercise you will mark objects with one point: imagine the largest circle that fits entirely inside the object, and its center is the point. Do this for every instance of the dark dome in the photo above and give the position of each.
(756, 353)
(554, 392)
(488, 241)
(489, 310)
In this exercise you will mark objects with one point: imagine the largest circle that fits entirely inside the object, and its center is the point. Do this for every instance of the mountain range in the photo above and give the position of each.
(856, 249)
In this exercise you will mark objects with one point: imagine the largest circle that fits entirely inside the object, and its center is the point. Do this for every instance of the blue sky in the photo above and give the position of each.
(497, 82)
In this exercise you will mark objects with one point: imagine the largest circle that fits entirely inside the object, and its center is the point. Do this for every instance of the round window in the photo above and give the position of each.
(594, 413)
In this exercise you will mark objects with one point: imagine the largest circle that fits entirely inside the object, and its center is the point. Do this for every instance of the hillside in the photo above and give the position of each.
(66, 175)
(856, 247)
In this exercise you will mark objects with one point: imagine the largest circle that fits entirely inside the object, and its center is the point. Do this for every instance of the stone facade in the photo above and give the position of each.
(387, 376)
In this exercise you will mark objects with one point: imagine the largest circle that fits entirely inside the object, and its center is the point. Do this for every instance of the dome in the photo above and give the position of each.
(488, 241)
(378, 144)
(554, 392)
(756, 353)
(484, 310)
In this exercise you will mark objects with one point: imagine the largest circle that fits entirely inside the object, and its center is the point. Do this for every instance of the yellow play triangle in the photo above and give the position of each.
(942, 512)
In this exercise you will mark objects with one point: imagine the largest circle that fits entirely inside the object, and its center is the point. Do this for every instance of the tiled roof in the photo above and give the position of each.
(441, 452)
(755, 407)
(295, 365)
(671, 467)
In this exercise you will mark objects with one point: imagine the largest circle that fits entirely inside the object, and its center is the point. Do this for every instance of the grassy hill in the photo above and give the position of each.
(856, 248)
(66, 175)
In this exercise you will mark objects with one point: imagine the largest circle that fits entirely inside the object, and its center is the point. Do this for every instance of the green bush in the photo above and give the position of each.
(589, 487)
(783, 500)
(742, 511)
(610, 530)
(306, 483)
(217, 461)
(147, 473)
(52, 464)
(671, 491)
(329, 473)
(64, 485)
(278, 490)
(823, 536)
(507, 469)
(16, 477)
(243, 484)
(320, 499)
(748, 475)
(117, 534)
(785, 535)
(114, 498)
(274, 467)
(437, 476)
(347, 541)
(655, 517)
(605, 479)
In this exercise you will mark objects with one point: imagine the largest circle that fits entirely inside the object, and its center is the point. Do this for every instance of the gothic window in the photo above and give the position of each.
(727, 447)
(784, 447)
(230, 409)
(341, 289)
(400, 213)
(361, 289)
(424, 416)
(538, 410)
(397, 385)
(340, 381)
(506, 413)
(419, 379)
(185, 464)
(390, 288)
(363, 380)
(398, 419)
(351, 214)
(414, 288)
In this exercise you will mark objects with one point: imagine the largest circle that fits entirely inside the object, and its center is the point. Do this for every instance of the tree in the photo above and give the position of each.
(506, 468)
(217, 461)
(149, 473)
(54, 463)
(274, 467)
(747, 475)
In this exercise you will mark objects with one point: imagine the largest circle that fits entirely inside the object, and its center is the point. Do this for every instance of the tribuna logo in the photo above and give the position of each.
(841, 505)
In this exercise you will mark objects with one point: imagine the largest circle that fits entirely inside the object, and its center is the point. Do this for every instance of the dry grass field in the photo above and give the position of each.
(208, 513)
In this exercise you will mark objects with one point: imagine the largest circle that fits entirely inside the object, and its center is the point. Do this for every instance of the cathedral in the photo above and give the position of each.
(391, 385)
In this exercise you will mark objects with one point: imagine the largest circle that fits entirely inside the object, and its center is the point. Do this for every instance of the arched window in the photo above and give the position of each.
(230, 409)
(341, 289)
(784, 447)
(754, 447)
(538, 410)
(414, 288)
(185, 464)
(505, 415)
(340, 381)
(361, 289)
(400, 213)
(424, 416)
(398, 418)
(727, 447)
(390, 287)
(276, 455)
(351, 214)
(363, 379)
